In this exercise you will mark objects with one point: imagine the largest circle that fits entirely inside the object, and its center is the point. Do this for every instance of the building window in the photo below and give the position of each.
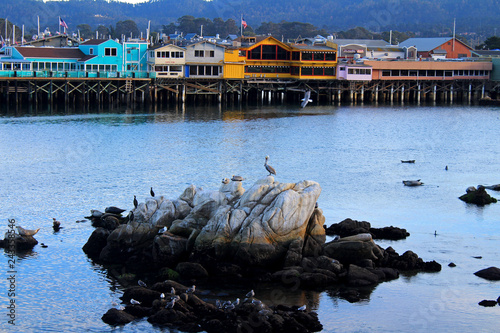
(177, 69)
(462, 55)
(91, 51)
(330, 56)
(295, 55)
(211, 54)
(386, 73)
(307, 56)
(110, 51)
(306, 70)
(199, 53)
(193, 70)
(179, 54)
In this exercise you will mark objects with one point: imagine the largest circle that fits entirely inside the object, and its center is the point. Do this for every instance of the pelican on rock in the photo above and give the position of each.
(269, 168)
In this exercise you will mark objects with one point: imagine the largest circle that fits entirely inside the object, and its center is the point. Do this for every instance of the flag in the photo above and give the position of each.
(243, 23)
(62, 23)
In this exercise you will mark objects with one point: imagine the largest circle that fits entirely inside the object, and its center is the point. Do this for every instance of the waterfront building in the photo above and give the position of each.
(314, 61)
(439, 47)
(103, 57)
(353, 71)
(204, 60)
(166, 61)
(135, 58)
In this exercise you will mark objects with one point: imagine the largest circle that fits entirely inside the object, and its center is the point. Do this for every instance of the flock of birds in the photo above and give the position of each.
(224, 305)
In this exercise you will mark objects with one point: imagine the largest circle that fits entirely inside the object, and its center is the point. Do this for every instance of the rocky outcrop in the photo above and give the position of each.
(477, 196)
(353, 249)
(189, 313)
(350, 227)
(490, 273)
(18, 242)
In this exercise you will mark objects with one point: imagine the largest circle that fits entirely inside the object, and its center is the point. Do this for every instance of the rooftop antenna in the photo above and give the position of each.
(201, 31)
(454, 35)
(390, 37)
(38, 21)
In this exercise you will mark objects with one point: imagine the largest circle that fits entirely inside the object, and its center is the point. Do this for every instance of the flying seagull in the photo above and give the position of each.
(306, 99)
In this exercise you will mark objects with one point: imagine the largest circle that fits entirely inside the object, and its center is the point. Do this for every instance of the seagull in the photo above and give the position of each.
(114, 303)
(257, 302)
(250, 294)
(152, 192)
(225, 180)
(302, 308)
(170, 304)
(269, 168)
(176, 297)
(306, 99)
(237, 178)
(162, 295)
(142, 283)
(172, 291)
(218, 304)
(191, 290)
(229, 307)
(237, 302)
(135, 202)
(133, 301)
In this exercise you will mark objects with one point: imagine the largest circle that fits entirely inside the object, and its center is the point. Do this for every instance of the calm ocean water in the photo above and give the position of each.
(63, 165)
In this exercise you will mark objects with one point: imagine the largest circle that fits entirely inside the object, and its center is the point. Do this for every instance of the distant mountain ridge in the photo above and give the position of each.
(429, 17)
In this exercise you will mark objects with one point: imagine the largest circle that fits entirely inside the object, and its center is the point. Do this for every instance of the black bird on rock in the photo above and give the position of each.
(135, 202)
(152, 192)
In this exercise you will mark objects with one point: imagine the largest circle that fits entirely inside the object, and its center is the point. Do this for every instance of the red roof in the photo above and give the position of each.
(50, 52)
(94, 41)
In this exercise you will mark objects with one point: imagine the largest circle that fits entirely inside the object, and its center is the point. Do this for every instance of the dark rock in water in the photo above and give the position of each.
(316, 280)
(358, 276)
(479, 197)
(408, 261)
(191, 270)
(96, 242)
(350, 295)
(452, 264)
(432, 266)
(498, 300)
(141, 294)
(22, 243)
(350, 227)
(477, 257)
(486, 302)
(117, 317)
(490, 273)
(392, 233)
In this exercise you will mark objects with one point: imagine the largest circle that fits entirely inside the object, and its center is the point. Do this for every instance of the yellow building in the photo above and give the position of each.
(314, 62)
(270, 58)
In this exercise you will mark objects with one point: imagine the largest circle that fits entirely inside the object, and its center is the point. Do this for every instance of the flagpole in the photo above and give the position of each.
(38, 21)
(59, 25)
(454, 35)
(22, 36)
(241, 25)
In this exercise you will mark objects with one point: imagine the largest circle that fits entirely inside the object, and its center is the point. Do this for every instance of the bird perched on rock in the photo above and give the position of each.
(225, 180)
(191, 290)
(142, 284)
(133, 301)
(171, 304)
(250, 294)
(269, 168)
(162, 295)
(172, 290)
(237, 302)
(152, 192)
(56, 225)
(135, 202)
(237, 178)
(302, 308)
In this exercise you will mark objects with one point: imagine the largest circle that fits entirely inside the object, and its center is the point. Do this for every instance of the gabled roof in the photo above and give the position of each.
(231, 37)
(94, 41)
(191, 35)
(269, 38)
(366, 42)
(428, 44)
(50, 52)
(205, 42)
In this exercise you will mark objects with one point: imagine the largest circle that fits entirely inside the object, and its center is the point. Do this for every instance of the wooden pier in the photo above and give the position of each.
(111, 92)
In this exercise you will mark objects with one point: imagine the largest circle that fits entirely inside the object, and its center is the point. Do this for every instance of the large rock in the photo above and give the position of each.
(127, 240)
(21, 243)
(490, 273)
(96, 242)
(191, 270)
(479, 197)
(168, 249)
(259, 229)
(353, 249)
(117, 317)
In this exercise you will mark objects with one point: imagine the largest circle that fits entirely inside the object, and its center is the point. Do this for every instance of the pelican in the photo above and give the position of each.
(237, 178)
(133, 301)
(191, 290)
(142, 283)
(269, 168)
(26, 232)
(225, 180)
(250, 294)
(135, 202)
(302, 308)
(152, 192)
(306, 99)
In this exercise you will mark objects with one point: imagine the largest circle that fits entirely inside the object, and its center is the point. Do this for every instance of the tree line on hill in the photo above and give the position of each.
(286, 31)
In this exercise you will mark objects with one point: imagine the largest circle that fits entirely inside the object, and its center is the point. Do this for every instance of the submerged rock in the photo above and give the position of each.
(490, 273)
